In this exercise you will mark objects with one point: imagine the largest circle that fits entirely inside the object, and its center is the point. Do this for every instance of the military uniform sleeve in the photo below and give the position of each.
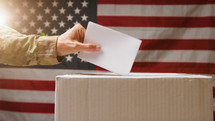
(25, 50)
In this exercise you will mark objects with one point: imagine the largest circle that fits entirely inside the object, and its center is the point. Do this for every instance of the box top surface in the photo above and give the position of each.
(100, 74)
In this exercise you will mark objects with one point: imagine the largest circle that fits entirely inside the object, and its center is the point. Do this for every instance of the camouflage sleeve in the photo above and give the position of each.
(25, 50)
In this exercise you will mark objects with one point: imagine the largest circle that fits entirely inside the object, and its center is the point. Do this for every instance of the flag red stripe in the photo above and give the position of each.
(214, 91)
(27, 84)
(27, 107)
(156, 2)
(177, 44)
(172, 67)
(214, 115)
(147, 21)
(120, 2)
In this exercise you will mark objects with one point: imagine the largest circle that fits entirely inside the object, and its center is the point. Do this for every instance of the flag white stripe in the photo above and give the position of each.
(16, 116)
(19, 75)
(156, 10)
(168, 33)
(176, 56)
(27, 96)
(214, 104)
(36, 74)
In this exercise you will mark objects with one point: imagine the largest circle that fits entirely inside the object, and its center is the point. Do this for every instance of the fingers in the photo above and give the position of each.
(85, 46)
(80, 32)
(89, 47)
(72, 41)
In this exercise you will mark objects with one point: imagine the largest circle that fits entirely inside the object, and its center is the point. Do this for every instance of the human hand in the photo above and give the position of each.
(72, 41)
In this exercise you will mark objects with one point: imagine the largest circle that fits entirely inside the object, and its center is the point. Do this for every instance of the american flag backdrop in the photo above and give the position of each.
(178, 37)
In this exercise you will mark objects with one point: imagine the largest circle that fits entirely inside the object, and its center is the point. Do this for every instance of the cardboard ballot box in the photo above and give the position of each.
(137, 97)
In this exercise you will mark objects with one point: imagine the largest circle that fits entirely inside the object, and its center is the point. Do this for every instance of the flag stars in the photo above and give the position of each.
(10, 3)
(69, 17)
(32, 24)
(25, 4)
(76, 54)
(83, 61)
(84, 17)
(84, 4)
(68, 29)
(39, 17)
(39, 30)
(39, 4)
(17, 10)
(47, 23)
(47, 10)
(17, 23)
(54, 4)
(62, 24)
(32, 11)
(76, 22)
(69, 58)
(70, 4)
(77, 11)
(54, 30)
(25, 17)
(54, 17)
(24, 30)
(62, 10)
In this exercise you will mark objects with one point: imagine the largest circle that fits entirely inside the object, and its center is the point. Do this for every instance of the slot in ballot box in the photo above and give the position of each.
(136, 97)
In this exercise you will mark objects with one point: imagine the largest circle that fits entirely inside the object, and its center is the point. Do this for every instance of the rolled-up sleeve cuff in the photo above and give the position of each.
(47, 52)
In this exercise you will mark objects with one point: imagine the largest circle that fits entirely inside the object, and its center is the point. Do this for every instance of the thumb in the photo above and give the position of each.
(89, 47)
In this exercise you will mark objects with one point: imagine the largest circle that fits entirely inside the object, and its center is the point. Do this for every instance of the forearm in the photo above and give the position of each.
(23, 50)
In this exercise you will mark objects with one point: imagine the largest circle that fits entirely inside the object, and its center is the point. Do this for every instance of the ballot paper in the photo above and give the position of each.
(118, 50)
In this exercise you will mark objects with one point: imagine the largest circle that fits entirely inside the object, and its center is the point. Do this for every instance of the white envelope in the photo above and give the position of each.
(118, 50)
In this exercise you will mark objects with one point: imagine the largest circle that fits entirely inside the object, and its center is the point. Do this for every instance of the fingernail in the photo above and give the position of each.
(98, 47)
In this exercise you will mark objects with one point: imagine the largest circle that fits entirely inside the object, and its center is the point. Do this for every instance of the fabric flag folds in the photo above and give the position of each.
(178, 37)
